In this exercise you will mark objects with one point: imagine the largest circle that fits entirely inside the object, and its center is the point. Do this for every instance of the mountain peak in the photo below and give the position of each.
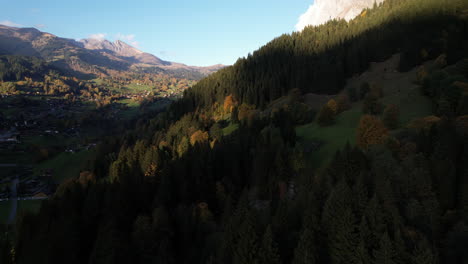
(324, 10)
(116, 55)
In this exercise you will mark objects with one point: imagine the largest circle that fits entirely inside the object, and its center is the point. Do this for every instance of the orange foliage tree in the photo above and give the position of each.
(229, 103)
(198, 137)
(371, 131)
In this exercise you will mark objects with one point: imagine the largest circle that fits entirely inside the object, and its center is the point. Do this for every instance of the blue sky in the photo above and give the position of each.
(203, 32)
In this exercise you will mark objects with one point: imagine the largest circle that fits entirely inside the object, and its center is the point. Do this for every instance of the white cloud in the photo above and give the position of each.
(10, 23)
(130, 39)
(40, 26)
(323, 10)
(98, 36)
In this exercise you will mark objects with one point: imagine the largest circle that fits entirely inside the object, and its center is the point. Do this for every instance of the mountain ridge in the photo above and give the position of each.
(90, 56)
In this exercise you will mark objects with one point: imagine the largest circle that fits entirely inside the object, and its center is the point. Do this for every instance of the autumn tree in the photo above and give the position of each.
(229, 103)
(8, 87)
(371, 131)
(183, 146)
(333, 105)
(198, 137)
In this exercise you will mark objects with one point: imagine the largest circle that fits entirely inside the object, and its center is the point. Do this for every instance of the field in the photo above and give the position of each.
(136, 88)
(333, 137)
(66, 165)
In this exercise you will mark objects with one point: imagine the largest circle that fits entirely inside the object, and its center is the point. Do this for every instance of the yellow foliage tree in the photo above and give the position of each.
(371, 131)
(333, 106)
(421, 74)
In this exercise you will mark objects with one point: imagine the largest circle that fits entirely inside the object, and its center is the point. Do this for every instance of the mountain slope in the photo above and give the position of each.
(320, 59)
(90, 56)
(122, 49)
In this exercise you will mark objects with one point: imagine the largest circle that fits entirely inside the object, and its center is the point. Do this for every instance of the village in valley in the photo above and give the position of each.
(46, 139)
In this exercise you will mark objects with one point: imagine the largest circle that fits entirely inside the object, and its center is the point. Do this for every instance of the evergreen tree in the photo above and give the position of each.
(362, 254)
(326, 115)
(268, 251)
(391, 116)
(340, 224)
(246, 250)
(385, 254)
(306, 250)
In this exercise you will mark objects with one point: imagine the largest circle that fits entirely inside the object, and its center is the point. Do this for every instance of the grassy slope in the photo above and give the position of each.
(229, 129)
(66, 165)
(399, 89)
(334, 137)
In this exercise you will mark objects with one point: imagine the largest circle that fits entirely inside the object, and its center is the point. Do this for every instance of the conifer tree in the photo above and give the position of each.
(326, 116)
(340, 224)
(306, 250)
(391, 116)
(269, 251)
(385, 254)
(362, 254)
(246, 248)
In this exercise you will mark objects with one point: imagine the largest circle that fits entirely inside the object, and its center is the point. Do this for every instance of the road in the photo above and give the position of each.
(8, 165)
(14, 200)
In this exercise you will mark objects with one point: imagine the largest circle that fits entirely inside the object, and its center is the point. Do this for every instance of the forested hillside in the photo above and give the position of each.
(319, 59)
(236, 172)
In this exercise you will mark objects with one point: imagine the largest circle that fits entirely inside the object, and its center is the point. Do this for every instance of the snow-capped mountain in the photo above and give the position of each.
(322, 11)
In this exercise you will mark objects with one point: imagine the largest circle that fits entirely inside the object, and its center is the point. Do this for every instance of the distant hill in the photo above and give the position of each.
(89, 56)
